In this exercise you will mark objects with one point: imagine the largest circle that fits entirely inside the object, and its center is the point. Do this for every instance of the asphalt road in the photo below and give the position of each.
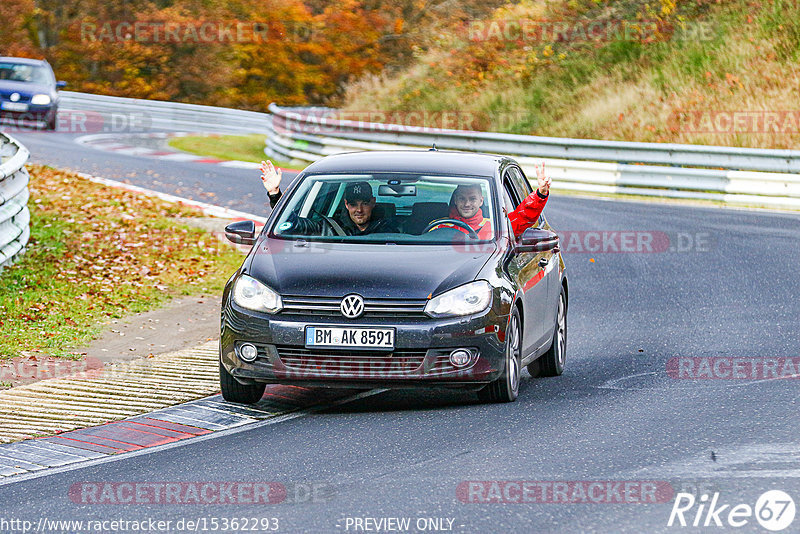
(615, 414)
(224, 186)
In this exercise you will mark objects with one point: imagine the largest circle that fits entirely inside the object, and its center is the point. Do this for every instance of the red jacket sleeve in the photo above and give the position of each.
(527, 213)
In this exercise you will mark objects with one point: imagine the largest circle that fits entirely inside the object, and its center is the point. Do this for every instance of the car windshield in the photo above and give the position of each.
(389, 208)
(18, 72)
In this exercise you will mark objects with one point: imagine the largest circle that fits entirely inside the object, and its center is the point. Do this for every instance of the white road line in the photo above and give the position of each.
(180, 157)
(240, 164)
(134, 151)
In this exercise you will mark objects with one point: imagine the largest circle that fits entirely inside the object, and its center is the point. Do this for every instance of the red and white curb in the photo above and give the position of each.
(200, 419)
(126, 145)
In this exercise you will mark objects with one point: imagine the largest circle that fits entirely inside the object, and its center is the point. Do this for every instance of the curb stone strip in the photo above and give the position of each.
(331, 402)
(102, 395)
(59, 407)
(168, 425)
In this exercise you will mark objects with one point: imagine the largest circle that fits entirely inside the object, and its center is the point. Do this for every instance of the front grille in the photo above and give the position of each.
(352, 364)
(373, 307)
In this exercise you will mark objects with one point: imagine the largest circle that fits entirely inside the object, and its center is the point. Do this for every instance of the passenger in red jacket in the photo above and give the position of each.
(468, 199)
(466, 207)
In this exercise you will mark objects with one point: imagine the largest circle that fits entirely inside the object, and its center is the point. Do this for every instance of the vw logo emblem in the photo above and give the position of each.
(14, 97)
(352, 306)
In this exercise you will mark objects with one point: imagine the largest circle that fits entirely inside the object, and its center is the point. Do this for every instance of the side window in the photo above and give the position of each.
(508, 202)
(509, 205)
(511, 190)
(520, 182)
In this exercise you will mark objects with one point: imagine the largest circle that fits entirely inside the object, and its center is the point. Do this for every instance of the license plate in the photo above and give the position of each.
(14, 106)
(332, 336)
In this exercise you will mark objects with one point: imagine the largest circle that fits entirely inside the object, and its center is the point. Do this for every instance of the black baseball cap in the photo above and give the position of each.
(355, 191)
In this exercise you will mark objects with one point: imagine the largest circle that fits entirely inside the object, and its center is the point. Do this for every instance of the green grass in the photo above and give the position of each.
(97, 253)
(227, 147)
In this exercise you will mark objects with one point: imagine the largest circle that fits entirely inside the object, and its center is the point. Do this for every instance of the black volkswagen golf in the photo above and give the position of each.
(419, 299)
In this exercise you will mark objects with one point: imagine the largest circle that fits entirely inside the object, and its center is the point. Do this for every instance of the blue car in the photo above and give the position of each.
(29, 90)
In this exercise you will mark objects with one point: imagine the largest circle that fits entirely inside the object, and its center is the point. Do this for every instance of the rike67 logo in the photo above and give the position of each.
(774, 510)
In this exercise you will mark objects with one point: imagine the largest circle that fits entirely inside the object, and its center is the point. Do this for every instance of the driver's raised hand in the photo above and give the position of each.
(271, 177)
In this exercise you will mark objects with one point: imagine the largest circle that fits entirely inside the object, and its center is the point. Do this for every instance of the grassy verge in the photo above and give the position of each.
(227, 147)
(97, 253)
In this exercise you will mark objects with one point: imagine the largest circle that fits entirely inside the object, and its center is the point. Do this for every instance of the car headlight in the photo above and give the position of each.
(40, 100)
(464, 300)
(251, 294)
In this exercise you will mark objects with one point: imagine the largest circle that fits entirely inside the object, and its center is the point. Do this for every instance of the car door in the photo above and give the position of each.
(525, 270)
(548, 259)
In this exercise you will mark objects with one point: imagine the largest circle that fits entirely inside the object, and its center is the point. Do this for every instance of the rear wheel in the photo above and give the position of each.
(233, 391)
(506, 388)
(551, 363)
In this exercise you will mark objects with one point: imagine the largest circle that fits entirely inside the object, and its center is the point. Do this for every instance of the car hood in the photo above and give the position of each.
(373, 271)
(26, 88)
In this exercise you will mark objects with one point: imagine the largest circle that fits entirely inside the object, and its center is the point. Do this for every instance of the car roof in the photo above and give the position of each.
(411, 161)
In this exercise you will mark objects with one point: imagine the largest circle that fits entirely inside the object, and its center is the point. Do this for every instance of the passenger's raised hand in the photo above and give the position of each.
(271, 177)
(543, 180)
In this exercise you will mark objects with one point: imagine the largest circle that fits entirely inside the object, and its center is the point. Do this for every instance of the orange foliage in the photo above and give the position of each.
(307, 52)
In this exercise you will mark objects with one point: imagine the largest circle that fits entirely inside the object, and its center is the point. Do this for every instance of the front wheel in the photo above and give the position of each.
(51, 121)
(551, 363)
(233, 391)
(506, 388)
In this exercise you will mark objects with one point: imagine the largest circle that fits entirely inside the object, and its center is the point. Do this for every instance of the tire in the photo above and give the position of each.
(506, 388)
(233, 391)
(551, 363)
(51, 122)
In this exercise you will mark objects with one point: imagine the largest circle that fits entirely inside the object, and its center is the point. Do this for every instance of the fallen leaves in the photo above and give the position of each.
(98, 252)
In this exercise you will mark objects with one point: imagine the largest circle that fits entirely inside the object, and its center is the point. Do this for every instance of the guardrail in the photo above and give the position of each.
(724, 174)
(142, 115)
(14, 215)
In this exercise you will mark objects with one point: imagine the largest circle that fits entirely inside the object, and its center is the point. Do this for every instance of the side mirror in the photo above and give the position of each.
(61, 85)
(537, 240)
(241, 232)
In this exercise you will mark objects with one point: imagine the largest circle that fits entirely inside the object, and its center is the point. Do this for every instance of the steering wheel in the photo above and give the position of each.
(333, 225)
(472, 233)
